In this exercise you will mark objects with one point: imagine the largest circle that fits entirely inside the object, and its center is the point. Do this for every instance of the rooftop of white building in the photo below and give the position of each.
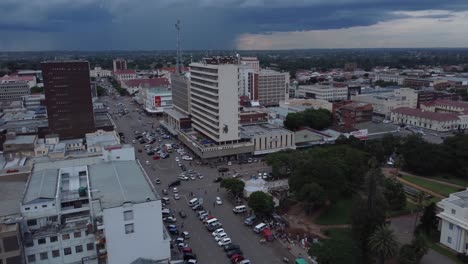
(262, 129)
(112, 182)
(458, 198)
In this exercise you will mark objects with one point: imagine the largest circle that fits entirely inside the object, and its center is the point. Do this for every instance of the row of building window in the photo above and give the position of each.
(56, 253)
(53, 239)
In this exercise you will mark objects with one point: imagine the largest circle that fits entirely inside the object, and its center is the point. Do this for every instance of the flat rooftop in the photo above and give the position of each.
(113, 183)
(11, 193)
(117, 182)
(263, 129)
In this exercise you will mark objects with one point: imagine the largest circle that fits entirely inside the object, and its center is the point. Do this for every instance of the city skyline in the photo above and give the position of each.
(231, 24)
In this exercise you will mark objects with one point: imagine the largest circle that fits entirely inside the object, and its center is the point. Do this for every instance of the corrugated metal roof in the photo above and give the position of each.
(42, 185)
(115, 183)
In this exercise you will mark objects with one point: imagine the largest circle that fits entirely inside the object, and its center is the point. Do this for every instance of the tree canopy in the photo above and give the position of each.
(261, 203)
(316, 119)
(235, 186)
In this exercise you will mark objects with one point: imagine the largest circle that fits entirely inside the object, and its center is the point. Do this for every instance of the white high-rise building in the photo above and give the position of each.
(214, 98)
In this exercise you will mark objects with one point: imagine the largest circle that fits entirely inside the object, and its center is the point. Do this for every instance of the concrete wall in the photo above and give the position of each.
(147, 241)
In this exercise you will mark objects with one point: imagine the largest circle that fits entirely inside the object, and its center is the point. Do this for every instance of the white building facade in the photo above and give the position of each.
(69, 223)
(99, 72)
(453, 222)
(13, 90)
(328, 92)
(214, 98)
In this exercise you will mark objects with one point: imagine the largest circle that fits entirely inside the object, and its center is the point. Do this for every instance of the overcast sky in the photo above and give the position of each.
(231, 24)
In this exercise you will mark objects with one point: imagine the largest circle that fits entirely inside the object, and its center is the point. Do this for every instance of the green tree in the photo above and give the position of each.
(368, 209)
(235, 186)
(414, 252)
(383, 244)
(428, 221)
(293, 121)
(100, 91)
(261, 203)
(394, 194)
(36, 89)
(313, 196)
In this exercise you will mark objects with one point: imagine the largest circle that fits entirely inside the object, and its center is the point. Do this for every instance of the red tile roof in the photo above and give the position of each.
(17, 78)
(459, 104)
(437, 116)
(125, 72)
(154, 82)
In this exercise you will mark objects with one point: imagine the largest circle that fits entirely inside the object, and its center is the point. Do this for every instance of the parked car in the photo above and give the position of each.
(182, 214)
(224, 242)
(218, 179)
(219, 201)
(157, 181)
(186, 235)
(223, 169)
(231, 247)
(217, 231)
(176, 196)
(164, 191)
(236, 258)
(233, 252)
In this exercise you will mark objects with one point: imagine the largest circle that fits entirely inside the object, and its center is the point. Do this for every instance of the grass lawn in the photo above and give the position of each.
(338, 233)
(338, 213)
(451, 179)
(443, 251)
(433, 186)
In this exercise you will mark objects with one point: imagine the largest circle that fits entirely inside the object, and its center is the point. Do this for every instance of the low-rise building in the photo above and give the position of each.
(29, 79)
(323, 91)
(88, 209)
(299, 105)
(441, 122)
(11, 247)
(155, 99)
(354, 113)
(137, 85)
(22, 145)
(96, 141)
(268, 138)
(33, 101)
(453, 222)
(99, 72)
(389, 77)
(383, 103)
(124, 75)
(13, 90)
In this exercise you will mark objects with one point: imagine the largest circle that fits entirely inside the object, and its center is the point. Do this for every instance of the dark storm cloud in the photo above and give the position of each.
(207, 24)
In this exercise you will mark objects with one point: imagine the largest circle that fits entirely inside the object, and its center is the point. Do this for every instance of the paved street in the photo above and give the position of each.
(167, 171)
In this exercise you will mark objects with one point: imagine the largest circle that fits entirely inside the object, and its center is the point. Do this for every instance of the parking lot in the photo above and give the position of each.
(167, 171)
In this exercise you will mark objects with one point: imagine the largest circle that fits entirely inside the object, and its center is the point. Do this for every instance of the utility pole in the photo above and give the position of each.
(179, 52)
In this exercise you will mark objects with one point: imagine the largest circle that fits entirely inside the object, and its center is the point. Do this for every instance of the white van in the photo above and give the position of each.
(193, 202)
(212, 220)
(259, 228)
(239, 209)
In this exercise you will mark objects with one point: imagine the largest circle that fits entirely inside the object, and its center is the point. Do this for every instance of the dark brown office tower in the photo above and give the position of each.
(68, 98)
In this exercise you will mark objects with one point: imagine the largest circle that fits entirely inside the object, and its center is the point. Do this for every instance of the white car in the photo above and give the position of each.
(175, 190)
(187, 158)
(220, 236)
(176, 196)
(147, 162)
(229, 163)
(177, 159)
(219, 201)
(224, 241)
(217, 231)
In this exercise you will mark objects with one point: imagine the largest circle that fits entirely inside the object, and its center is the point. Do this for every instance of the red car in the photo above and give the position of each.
(156, 157)
(187, 250)
(236, 258)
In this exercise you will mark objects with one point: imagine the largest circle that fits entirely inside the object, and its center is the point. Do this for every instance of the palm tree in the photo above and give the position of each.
(383, 244)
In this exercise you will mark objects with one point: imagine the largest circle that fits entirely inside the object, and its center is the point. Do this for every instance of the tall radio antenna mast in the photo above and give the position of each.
(179, 52)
